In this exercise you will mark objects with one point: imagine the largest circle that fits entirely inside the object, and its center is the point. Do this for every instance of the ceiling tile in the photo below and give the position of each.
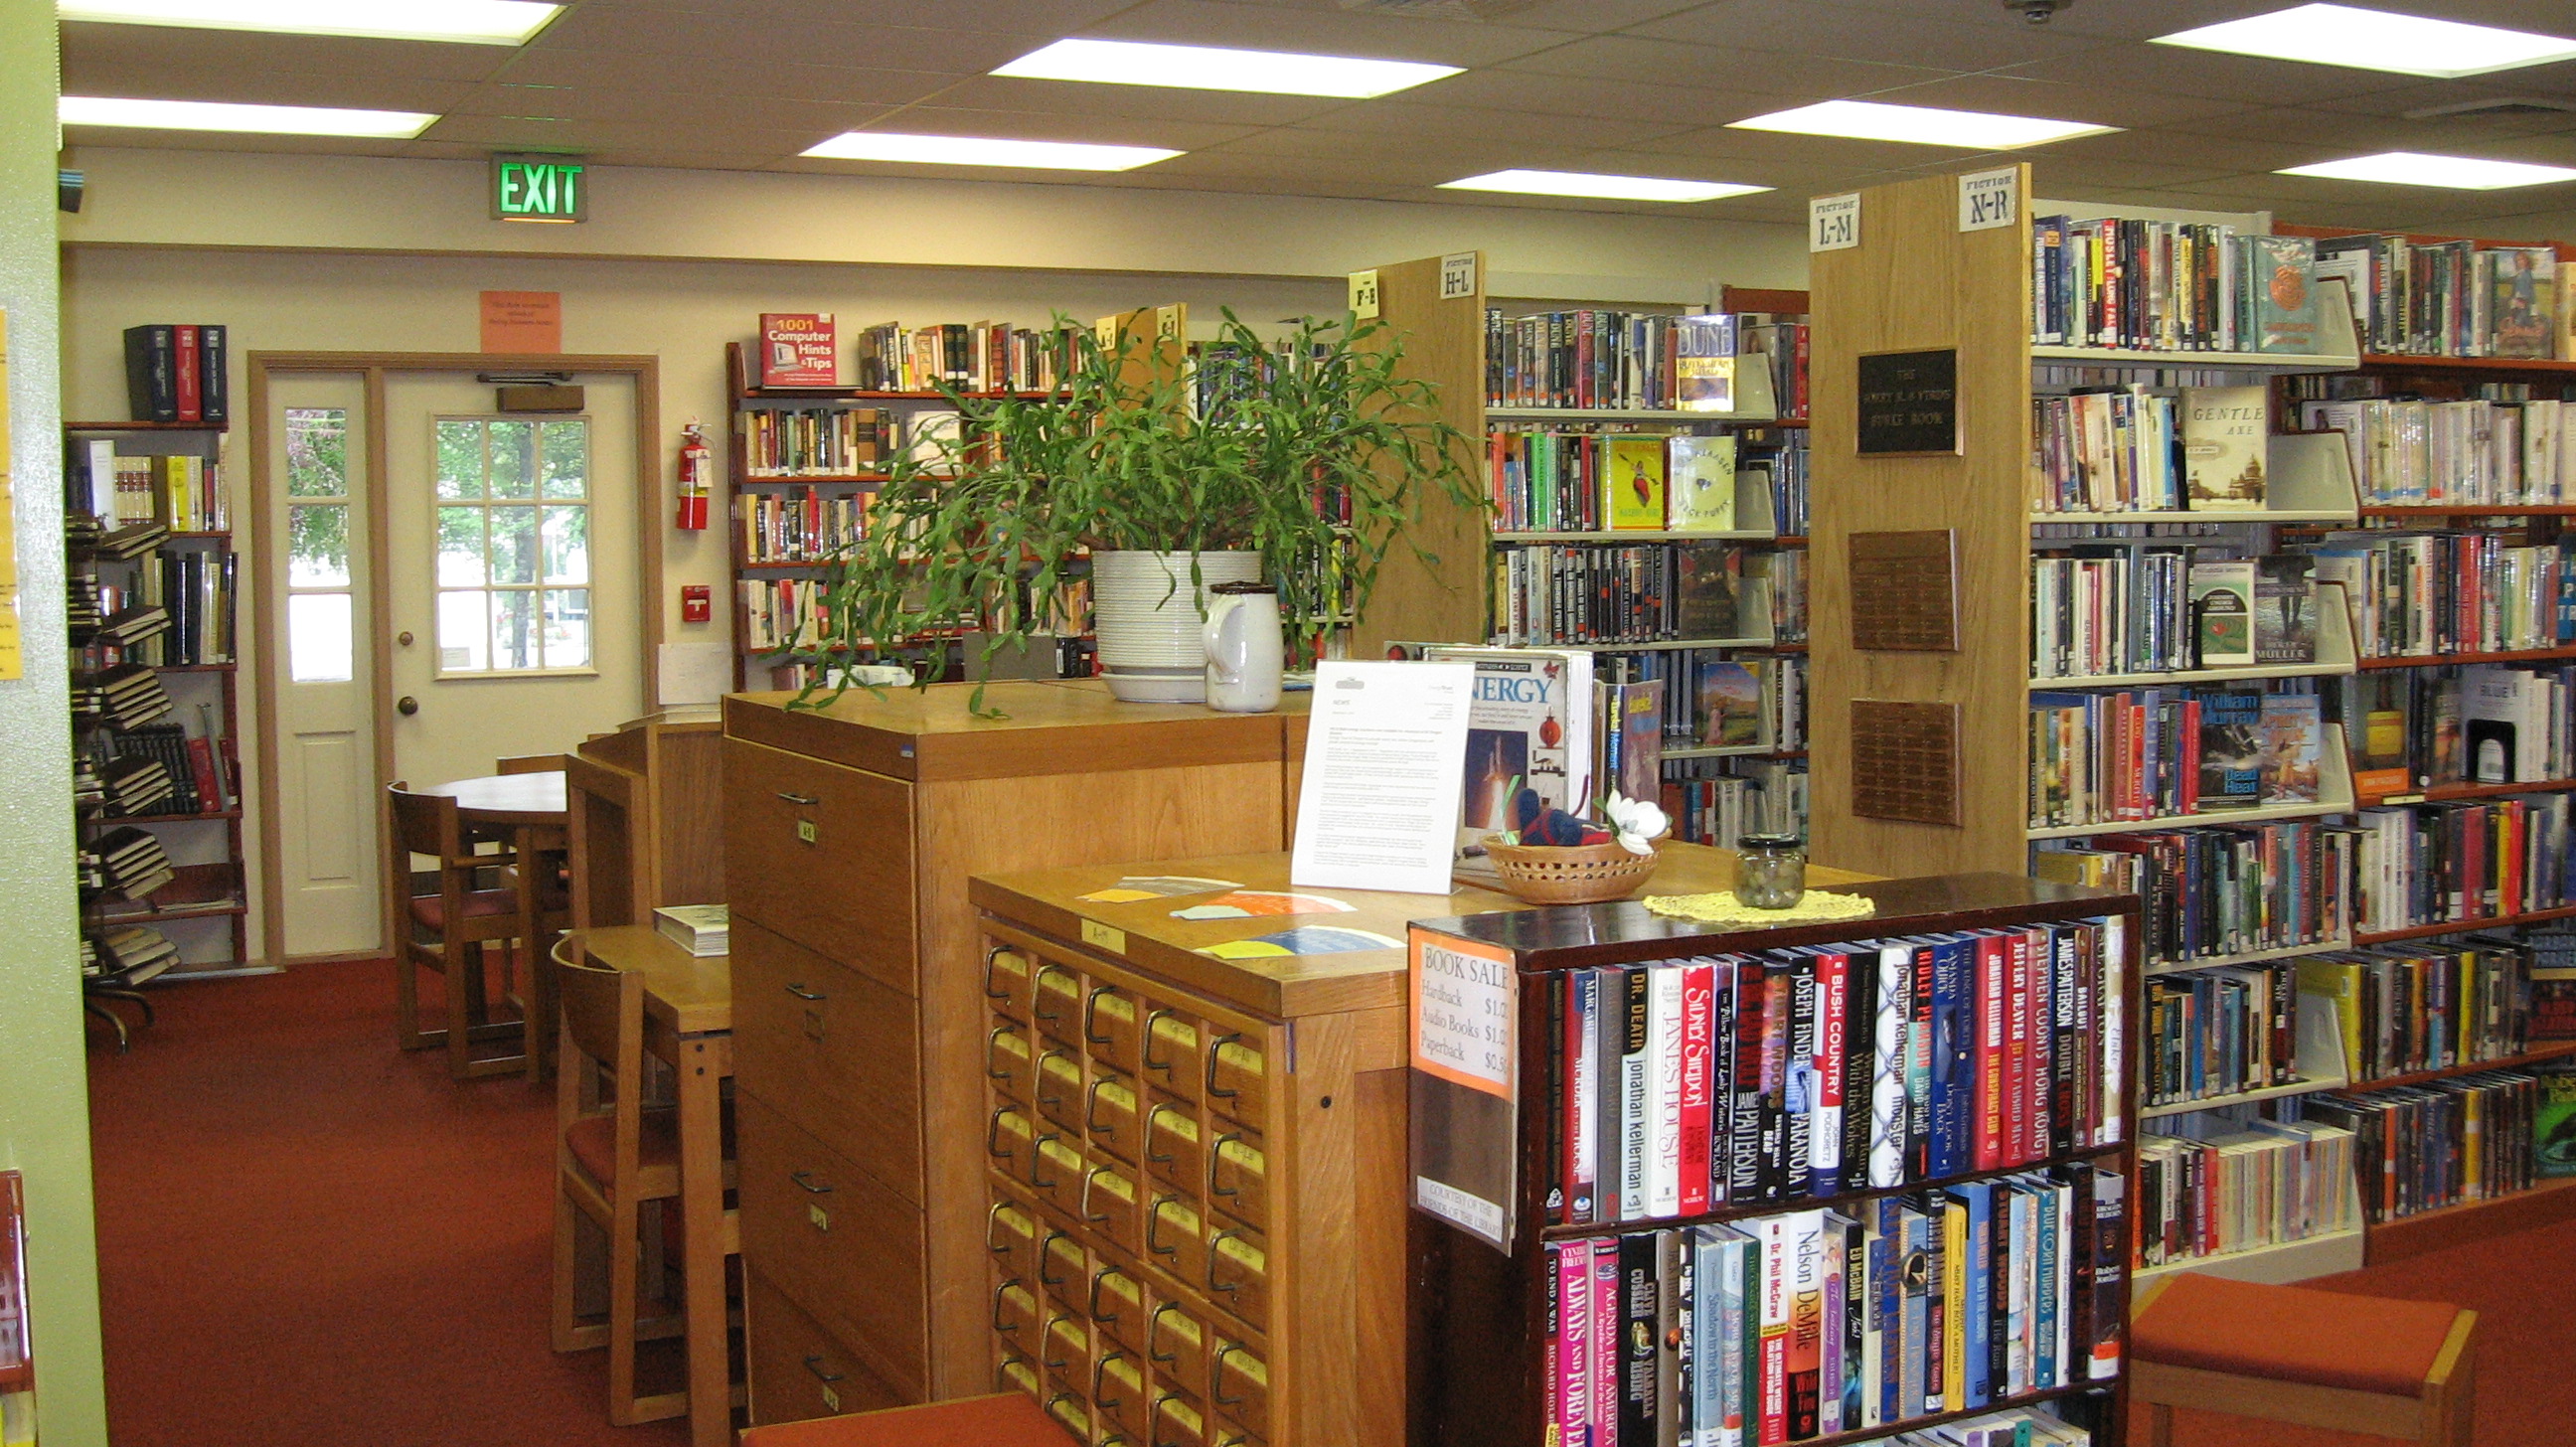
(2057, 100)
(680, 36)
(220, 52)
(2183, 148)
(1850, 32)
(690, 118)
(2059, 175)
(1618, 61)
(265, 87)
(1143, 102)
(1527, 91)
(1041, 126)
(1323, 32)
(1409, 120)
(1818, 150)
(2241, 78)
(597, 137)
(642, 74)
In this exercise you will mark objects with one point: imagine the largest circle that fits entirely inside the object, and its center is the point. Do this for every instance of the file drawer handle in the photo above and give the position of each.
(1091, 1110)
(1154, 1334)
(1151, 1063)
(801, 993)
(997, 1306)
(806, 801)
(1088, 1214)
(806, 1180)
(1216, 1377)
(1214, 1256)
(1091, 1013)
(993, 1137)
(990, 1041)
(1219, 1043)
(1096, 1313)
(1037, 1158)
(1217, 1155)
(814, 1364)
(990, 956)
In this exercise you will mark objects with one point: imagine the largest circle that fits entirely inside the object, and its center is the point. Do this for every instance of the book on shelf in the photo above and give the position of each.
(2107, 449)
(1531, 726)
(177, 373)
(2285, 609)
(2553, 983)
(2226, 889)
(2211, 1033)
(821, 441)
(1628, 735)
(2225, 435)
(1609, 359)
(2103, 758)
(2280, 294)
(2222, 613)
(2014, 1018)
(1547, 594)
(1700, 484)
(2415, 595)
(2290, 754)
(133, 950)
(1782, 344)
(2427, 864)
(1730, 694)
(1719, 801)
(2422, 1005)
(1633, 485)
(2139, 606)
(2449, 298)
(799, 349)
(2213, 1185)
(2422, 1147)
(803, 526)
(2418, 452)
(1704, 363)
(701, 929)
(983, 356)
(2553, 1122)
(2174, 286)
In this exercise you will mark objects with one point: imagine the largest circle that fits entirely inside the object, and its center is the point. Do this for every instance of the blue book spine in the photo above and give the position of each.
(1953, 1051)
(1707, 1338)
(1978, 1368)
(1738, 1267)
(1886, 1299)
(2046, 1292)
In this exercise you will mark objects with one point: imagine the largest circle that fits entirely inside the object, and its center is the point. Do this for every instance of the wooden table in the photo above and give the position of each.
(533, 810)
(688, 1022)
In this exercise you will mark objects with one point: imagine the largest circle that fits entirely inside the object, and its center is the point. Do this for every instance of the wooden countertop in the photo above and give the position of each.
(692, 994)
(1071, 726)
(1049, 901)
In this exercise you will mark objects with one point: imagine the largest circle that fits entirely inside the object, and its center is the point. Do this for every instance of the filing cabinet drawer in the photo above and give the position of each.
(1112, 1120)
(1175, 1052)
(1009, 975)
(1176, 1342)
(1176, 1238)
(1118, 1390)
(1239, 1176)
(1113, 1029)
(1175, 1145)
(1241, 1386)
(822, 855)
(1238, 1272)
(1010, 1062)
(1011, 1233)
(1114, 1203)
(1179, 1421)
(1229, 1435)
(1238, 1078)
(798, 1370)
(831, 1047)
(1118, 1307)
(846, 1248)
(1059, 1087)
(1057, 1004)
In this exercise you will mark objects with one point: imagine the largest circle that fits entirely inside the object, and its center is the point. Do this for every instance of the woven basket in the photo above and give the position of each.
(1577, 874)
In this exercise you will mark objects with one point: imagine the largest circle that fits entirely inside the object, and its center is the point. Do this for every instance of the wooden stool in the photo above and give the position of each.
(1007, 1420)
(2315, 1358)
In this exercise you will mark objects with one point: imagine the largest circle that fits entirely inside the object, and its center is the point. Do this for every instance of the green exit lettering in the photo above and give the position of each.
(539, 188)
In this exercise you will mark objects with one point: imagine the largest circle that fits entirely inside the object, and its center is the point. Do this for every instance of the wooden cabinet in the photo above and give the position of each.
(866, 1021)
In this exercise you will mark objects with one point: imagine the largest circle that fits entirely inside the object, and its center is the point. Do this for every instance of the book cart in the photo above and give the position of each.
(1482, 1293)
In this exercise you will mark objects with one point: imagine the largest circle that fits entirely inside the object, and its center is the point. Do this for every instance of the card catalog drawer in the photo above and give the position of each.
(1012, 1235)
(1059, 1087)
(1009, 975)
(1112, 1121)
(1113, 1203)
(1179, 1421)
(1238, 1077)
(1056, 1003)
(1117, 1302)
(1072, 1412)
(1056, 1172)
(1015, 1316)
(1175, 1052)
(1176, 1342)
(1063, 1265)
(1238, 1272)
(1175, 1145)
(1175, 1238)
(1113, 1029)
(1239, 1176)
(1240, 1388)
(1011, 1063)
(1011, 1141)
(1118, 1389)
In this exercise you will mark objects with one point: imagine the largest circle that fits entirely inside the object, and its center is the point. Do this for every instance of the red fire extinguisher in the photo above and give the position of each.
(696, 461)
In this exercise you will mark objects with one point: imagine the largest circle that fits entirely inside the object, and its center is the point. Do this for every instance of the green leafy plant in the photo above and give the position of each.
(1260, 447)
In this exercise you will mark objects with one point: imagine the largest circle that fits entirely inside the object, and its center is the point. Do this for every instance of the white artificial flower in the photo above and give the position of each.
(1638, 821)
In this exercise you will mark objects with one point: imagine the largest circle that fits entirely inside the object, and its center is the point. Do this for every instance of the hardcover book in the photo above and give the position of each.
(1709, 591)
(2223, 447)
(1699, 485)
(2280, 290)
(797, 349)
(2231, 749)
(2523, 301)
(2553, 1123)
(1632, 485)
(2285, 609)
(2292, 735)
(1730, 704)
(1529, 727)
(2222, 613)
(1704, 363)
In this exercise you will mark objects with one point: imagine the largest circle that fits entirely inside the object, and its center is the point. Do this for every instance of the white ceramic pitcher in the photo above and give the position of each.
(1244, 652)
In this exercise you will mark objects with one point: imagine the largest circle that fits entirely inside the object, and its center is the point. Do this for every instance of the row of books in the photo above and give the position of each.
(782, 613)
(198, 784)
(1610, 593)
(177, 372)
(1736, 703)
(2413, 728)
(2427, 1005)
(125, 785)
(126, 861)
(2208, 1034)
(802, 349)
(2413, 595)
(125, 696)
(1690, 1084)
(814, 441)
(2118, 609)
(1783, 344)
(2126, 449)
(1599, 359)
(2232, 889)
(197, 590)
(2422, 1147)
(1791, 466)
(2428, 864)
(2221, 1182)
(1718, 801)
(2170, 286)
(1812, 1323)
(1565, 480)
(2448, 298)
(185, 492)
(803, 526)
(2410, 452)
(2104, 758)
(134, 953)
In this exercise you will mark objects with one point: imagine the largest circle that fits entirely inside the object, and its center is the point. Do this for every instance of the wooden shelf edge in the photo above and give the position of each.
(2548, 1202)
(2455, 510)
(2242, 1097)
(1753, 1209)
(2540, 1054)
(2453, 793)
(2407, 361)
(2462, 926)
(147, 426)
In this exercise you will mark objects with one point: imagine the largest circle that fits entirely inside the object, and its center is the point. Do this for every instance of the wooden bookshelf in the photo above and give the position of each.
(2548, 1202)
(2463, 926)
(2537, 1055)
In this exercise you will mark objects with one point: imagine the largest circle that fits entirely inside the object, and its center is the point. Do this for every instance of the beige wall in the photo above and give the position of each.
(319, 253)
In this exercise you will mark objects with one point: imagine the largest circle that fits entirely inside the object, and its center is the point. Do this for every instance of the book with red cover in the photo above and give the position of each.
(201, 764)
(2016, 1048)
(184, 354)
(1699, 1016)
(798, 349)
(1992, 1001)
(1825, 1137)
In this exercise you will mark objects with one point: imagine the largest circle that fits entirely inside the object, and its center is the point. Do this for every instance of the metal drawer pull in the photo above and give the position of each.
(1216, 1378)
(1215, 1156)
(807, 800)
(806, 1179)
(814, 1364)
(801, 993)
(1215, 1047)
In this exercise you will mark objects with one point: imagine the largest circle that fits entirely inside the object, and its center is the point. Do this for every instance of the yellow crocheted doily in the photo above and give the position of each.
(1723, 908)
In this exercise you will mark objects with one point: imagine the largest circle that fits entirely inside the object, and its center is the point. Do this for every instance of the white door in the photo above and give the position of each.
(512, 608)
(328, 856)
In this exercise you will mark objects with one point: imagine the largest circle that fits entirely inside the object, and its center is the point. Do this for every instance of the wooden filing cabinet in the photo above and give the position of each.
(861, 1040)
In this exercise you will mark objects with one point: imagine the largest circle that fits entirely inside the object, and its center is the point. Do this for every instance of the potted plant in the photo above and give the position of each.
(1298, 465)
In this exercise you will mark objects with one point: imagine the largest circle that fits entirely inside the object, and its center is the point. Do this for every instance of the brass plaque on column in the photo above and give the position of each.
(1905, 761)
(1904, 592)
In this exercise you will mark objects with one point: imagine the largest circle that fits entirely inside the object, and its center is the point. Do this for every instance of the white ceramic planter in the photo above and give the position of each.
(1146, 620)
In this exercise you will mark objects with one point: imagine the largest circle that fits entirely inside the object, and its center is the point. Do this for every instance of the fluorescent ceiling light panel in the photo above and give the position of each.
(1207, 67)
(472, 22)
(2459, 173)
(986, 151)
(1582, 183)
(2376, 40)
(1863, 120)
(198, 115)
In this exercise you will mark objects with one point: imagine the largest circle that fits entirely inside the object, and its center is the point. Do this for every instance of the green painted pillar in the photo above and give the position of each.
(44, 1089)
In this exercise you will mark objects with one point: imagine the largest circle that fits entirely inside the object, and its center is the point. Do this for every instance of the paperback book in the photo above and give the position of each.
(1700, 486)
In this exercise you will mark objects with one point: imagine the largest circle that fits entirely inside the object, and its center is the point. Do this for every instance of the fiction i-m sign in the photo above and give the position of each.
(540, 188)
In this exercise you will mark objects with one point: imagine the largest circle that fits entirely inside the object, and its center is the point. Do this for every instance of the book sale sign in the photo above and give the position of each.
(1465, 1042)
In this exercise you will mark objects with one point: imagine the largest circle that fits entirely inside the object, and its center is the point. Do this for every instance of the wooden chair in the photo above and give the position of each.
(447, 928)
(529, 764)
(615, 1156)
(2357, 1364)
(1007, 1420)
(554, 915)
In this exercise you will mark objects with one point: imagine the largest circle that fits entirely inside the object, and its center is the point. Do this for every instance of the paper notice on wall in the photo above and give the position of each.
(527, 323)
(1463, 1021)
(695, 673)
(1385, 748)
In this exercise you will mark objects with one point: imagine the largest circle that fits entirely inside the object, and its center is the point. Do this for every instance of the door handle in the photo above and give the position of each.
(403, 638)
(406, 705)
(802, 800)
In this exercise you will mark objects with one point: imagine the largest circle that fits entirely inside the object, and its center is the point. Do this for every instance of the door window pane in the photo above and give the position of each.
(464, 644)
(514, 573)
(317, 452)
(460, 458)
(514, 544)
(513, 454)
(514, 629)
(318, 642)
(566, 459)
(460, 547)
(317, 548)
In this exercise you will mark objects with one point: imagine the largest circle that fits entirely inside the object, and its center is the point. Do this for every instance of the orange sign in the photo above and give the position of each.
(526, 322)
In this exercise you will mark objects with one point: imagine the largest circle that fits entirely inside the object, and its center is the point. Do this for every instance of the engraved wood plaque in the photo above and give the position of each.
(1904, 591)
(1905, 761)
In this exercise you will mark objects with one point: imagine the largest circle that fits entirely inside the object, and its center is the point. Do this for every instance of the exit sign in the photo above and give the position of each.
(540, 188)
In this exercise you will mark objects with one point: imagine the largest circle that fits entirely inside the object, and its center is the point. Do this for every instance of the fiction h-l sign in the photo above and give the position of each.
(540, 188)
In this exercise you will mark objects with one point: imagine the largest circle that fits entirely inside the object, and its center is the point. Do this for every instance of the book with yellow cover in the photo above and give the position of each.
(1632, 485)
(1700, 484)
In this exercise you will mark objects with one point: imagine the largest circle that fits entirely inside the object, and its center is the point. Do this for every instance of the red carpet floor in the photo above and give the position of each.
(310, 1239)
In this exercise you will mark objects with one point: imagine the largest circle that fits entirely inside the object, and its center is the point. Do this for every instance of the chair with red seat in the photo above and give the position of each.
(447, 924)
(613, 1159)
(2358, 1364)
(1007, 1420)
